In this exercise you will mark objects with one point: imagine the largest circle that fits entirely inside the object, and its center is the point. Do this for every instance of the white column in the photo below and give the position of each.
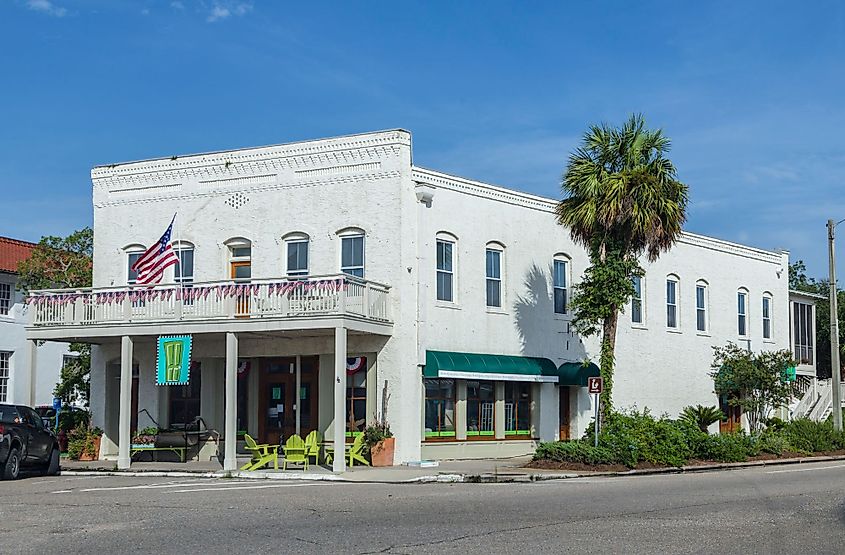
(125, 418)
(230, 459)
(339, 461)
(298, 395)
(33, 371)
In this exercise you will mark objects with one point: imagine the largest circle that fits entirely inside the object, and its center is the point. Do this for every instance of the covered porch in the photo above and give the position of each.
(266, 373)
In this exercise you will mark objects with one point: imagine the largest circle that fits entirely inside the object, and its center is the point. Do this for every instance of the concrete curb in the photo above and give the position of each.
(453, 478)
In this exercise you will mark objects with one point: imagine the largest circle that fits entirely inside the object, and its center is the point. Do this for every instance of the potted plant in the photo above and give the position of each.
(84, 444)
(378, 438)
(145, 437)
(380, 442)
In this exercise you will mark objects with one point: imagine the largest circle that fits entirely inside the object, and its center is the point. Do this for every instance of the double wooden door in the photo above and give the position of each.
(279, 400)
(563, 409)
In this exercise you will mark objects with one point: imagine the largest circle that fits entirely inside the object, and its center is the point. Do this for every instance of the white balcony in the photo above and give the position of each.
(260, 304)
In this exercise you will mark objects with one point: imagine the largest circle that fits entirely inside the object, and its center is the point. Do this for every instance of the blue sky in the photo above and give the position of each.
(751, 94)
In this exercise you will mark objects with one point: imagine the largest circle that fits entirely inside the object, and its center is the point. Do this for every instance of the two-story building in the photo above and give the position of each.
(319, 278)
(17, 355)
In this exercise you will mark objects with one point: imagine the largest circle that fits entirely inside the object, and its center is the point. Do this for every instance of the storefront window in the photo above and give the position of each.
(356, 401)
(481, 409)
(518, 409)
(439, 409)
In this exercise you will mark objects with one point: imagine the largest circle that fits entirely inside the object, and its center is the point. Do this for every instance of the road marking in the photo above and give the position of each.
(247, 487)
(63, 491)
(159, 486)
(806, 469)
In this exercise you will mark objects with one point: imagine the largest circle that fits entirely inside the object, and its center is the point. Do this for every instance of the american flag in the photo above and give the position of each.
(160, 255)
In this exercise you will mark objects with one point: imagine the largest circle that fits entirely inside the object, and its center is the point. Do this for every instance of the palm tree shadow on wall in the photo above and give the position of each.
(541, 334)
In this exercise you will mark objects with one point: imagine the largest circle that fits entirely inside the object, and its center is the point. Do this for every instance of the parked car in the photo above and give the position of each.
(70, 418)
(25, 442)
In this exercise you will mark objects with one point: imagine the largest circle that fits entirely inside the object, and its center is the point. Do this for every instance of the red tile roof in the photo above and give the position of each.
(13, 251)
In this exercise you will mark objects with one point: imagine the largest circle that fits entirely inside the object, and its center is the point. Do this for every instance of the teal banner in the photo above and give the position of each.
(174, 360)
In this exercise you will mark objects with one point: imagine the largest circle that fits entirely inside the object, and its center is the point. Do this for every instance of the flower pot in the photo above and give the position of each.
(382, 452)
(95, 456)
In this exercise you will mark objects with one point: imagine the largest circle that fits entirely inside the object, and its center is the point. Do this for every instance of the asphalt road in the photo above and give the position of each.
(783, 509)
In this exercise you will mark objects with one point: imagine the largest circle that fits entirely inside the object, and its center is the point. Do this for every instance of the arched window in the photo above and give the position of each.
(560, 283)
(767, 315)
(494, 272)
(702, 301)
(133, 253)
(240, 258)
(352, 251)
(673, 285)
(296, 248)
(446, 266)
(742, 312)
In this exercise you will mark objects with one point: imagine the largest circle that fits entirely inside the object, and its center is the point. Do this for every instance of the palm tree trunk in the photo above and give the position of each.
(607, 361)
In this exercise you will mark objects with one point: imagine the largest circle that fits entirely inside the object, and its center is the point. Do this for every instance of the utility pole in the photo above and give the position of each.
(834, 331)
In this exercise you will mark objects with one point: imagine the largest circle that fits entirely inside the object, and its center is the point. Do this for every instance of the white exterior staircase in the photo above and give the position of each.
(817, 401)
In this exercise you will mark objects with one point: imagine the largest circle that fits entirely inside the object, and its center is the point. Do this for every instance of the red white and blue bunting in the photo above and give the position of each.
(354, 364)
(200, 292)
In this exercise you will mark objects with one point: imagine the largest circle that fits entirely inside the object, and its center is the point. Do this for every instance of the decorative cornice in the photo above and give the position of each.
(545, 204)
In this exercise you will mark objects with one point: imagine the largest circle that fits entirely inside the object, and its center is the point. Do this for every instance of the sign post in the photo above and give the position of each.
(57, 406)
(595, 385)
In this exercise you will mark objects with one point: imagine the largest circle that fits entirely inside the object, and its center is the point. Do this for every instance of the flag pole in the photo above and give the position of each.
(179, 255)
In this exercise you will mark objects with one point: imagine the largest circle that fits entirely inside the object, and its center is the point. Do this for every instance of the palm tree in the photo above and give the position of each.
(622, 200)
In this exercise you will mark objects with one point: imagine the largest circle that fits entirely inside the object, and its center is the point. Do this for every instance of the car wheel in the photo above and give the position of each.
(52, 468)
(12, 469)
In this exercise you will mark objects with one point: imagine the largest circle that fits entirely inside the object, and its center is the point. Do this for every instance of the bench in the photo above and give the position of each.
(135, 449)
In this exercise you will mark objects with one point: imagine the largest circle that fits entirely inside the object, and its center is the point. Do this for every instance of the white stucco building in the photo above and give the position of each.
(449, 294)
(17, 355)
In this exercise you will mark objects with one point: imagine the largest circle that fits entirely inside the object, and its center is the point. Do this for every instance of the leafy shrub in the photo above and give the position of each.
(700, 416)
(774, 442)
(634, 436)
(579, 451)
(734, 447)
(807, 435)
(81, 440)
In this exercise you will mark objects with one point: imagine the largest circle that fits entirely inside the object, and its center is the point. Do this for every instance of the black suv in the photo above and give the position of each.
(25, 442)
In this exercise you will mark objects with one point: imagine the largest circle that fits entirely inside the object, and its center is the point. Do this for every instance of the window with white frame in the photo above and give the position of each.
(5, 358)
(184, 271)
(560, 282)
(5, 298)
(742, 312)
(672, 302)
(494, 276)
(297, 256)
(445, 270)
(352, 255)
(767, 316)
(701, 306)
(803, 332)
(637, 300)
(133, 254)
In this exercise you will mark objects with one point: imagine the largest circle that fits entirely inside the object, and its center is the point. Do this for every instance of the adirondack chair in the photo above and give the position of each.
(354, 452)
(295, 452)
(262, 455)
(312, 445)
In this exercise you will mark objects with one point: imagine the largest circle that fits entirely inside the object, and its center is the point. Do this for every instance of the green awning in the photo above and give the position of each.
(476, 366)
(576, 373)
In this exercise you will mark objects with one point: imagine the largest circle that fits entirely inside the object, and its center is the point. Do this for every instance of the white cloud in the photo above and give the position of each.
(46, 7)
(177, 5)
(221, 11)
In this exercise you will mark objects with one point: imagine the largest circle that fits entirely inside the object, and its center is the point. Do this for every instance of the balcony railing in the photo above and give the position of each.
(334, 295)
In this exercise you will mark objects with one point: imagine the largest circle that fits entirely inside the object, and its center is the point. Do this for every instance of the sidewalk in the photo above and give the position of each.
(466, 471)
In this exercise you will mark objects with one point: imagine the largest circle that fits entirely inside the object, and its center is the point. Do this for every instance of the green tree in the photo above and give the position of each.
(754, 382)
(622, 200)
(64, 262)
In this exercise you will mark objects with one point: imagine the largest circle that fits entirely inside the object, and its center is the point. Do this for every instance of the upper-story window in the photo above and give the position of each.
(803, 332)
(445, 269)
(672, 285)
(767, 316)
(637, 316)
(297, 254)
(133, 254)
(352, 253)
(742, 312)
(560, 284)
(701, 306)
(184, 270)
(493, 272)
(240, 259)
(5, 298)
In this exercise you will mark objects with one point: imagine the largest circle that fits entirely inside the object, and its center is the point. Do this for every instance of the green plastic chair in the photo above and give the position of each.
(354, 452)
(295, 452)
(262, 455)
(312, 445)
